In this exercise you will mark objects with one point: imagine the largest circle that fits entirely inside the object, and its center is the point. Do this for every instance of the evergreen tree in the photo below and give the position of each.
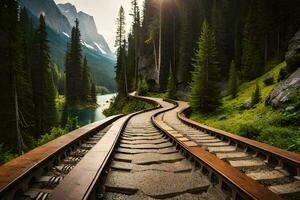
(135, 12)
(93, 93)
(253, 43)
(131, 70)
(120, 34)
(85, 85)
(205, 93)
(233, 80)
(171, 88)
(23, 75)
(143, 88)
(11, 61)
(74, 67)
(190, 19)
(42, 80)
(120, 43)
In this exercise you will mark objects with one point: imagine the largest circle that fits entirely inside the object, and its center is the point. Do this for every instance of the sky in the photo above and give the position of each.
(105, 13)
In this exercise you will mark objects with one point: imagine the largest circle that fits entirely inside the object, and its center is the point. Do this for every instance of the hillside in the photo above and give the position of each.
(276, 127)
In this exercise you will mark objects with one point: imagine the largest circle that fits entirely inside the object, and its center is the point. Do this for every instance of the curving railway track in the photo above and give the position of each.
(276, 169)
(152, 154)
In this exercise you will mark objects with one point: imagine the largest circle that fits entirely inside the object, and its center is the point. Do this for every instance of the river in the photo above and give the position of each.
(87, 116)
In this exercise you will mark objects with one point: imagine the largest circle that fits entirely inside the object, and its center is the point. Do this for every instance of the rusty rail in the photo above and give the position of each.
(81, 182)
(15, 176)
(223, 176)
(285, 159)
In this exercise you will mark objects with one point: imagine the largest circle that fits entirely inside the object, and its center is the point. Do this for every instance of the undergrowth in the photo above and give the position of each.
(121, 105)
(277, 127)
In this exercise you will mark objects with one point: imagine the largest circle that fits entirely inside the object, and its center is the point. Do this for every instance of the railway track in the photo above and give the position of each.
(137, 156)
(276, 169)
(36, 174)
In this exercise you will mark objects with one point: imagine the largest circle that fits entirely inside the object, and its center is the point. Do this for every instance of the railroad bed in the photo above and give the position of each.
(136, 156)
(279, 174)
(147, 166)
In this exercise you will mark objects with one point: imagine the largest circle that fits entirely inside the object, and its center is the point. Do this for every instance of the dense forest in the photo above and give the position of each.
(223, 56)
(31, 82)
(197, 50)
(253, 34)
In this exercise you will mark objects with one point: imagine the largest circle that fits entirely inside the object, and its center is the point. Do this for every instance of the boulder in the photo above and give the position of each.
(292, 57)
(280, 93)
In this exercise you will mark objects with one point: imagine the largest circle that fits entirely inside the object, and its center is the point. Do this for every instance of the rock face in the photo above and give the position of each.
(89, 33)
(281, 92)
(293, 55)
(53, 16)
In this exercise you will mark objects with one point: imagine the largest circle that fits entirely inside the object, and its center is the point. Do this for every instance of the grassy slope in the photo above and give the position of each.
(261, 122)
(123, 106)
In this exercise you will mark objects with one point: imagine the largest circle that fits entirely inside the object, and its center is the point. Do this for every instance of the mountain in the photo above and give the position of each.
(54, 18)
(92, 39)
(102, 64)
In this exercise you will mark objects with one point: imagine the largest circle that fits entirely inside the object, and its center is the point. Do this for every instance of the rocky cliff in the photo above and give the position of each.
(89, 33)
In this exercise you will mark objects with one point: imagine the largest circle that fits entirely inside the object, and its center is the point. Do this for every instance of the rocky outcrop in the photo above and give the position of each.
(292, 57)
(54, 19)
(89, 33)
(281, 92)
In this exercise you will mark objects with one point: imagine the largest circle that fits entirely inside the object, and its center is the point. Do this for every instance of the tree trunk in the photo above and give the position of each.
(156, 63)
(20, 142)
(266, 51)
(159, 42)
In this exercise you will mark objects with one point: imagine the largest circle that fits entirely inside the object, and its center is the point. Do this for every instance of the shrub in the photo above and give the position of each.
(72, 124)
(122, 105)
(5, 155)
(277, 119)
(249, 130)
(143, 88)
(56, 132)
(171, 87)
(280, 137)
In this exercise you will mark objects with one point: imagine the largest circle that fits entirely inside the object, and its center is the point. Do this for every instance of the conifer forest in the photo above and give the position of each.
(235, 61)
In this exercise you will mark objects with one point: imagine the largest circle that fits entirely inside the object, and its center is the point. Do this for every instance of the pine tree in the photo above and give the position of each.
(74, 67)
(253, 43)
(42, 80)
(120, 34)
(23, 75)
(205, 93)
(135, 12)
(93, 93)
(85, 85)
(11, 62)
(120, 43)
(233, 80)
(191, 19)
(171, 88)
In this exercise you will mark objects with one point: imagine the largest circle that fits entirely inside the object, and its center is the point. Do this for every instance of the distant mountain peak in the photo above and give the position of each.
(54, 18)
(89, 33)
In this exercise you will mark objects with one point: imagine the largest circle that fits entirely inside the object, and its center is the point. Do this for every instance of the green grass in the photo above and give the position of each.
(260, 122)
(158, 95)
(123, 106)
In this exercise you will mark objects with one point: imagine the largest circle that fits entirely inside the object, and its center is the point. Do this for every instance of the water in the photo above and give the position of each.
(90, 115)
